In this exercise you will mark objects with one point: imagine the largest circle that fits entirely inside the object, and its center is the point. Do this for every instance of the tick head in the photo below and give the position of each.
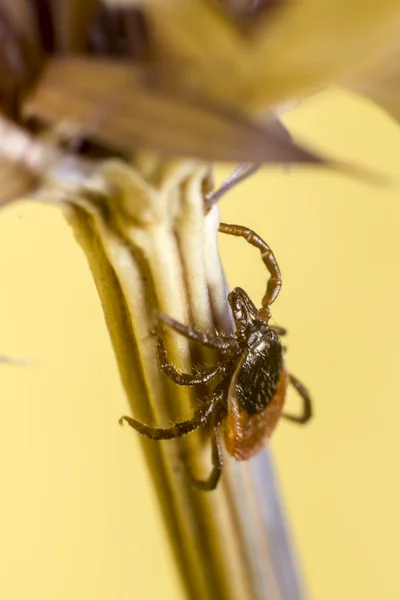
(243, 309)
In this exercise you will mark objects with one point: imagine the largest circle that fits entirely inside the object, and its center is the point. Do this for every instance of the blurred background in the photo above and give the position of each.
(78, 517)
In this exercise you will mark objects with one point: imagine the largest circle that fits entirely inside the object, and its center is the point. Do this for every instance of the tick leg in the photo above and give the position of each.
(201, 378)
(218, 342)
(278, 330)
(307, 406)
(210, 484)
(275, 281)
(201, 416)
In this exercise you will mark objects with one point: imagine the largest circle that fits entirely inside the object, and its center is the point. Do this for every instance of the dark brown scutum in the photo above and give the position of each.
(258, 376)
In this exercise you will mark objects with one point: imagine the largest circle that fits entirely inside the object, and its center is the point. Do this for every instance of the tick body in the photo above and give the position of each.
(250, 377)
(246, 431)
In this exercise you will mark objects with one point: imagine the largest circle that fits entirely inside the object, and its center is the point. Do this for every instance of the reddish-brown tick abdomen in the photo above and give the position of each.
(245, 434)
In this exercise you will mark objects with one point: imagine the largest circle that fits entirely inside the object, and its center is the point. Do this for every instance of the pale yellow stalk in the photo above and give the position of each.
(151, 244)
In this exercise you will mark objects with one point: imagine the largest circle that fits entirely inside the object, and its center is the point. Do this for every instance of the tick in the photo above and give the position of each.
(251, 377)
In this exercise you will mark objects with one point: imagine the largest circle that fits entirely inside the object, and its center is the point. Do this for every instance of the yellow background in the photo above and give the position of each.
(78, 517)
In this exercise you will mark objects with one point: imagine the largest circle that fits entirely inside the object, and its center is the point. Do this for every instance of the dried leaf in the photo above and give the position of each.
(21, 162)
(112, 102)
(119, 31)
(382, 84)
(308, 44)
(246, 13)
(71, 22)
(317, 42)
(20, 52)
(21, 18)
(16, 181)
(241, 173)
(389, 104)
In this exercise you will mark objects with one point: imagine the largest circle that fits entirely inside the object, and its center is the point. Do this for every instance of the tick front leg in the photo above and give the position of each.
(278, 330)
(218, 342)
(201, 378)
(201, 416)
(275, 280)
(307, 405)
(211, 483)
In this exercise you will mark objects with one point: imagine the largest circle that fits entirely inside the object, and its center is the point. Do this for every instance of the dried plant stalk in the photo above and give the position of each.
(151, 245)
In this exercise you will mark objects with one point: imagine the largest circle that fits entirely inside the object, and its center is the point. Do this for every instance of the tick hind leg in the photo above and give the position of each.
(275, 281)
(307, 405)
(209, 484)
(200, 417)
(201, 378)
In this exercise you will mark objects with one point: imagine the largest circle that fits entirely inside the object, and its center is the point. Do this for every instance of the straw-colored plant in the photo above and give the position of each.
(116, 112)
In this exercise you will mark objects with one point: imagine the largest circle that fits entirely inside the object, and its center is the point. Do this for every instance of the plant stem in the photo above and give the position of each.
(151, 245)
